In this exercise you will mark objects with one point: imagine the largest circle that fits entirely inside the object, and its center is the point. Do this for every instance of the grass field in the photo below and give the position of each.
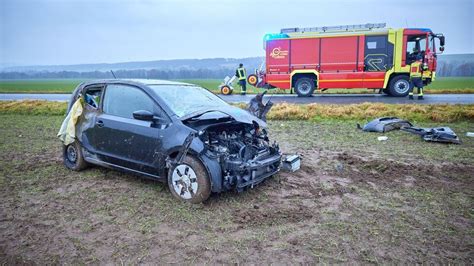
(355, 200)
(309, 112)
(441, 85)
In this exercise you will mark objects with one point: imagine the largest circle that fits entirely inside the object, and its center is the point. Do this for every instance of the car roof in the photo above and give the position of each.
(141, 81)
(159, 82)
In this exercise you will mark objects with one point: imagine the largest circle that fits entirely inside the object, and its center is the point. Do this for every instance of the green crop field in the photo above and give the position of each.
(441, 85)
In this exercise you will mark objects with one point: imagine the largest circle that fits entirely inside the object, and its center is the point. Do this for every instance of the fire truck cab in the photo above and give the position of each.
(351, 56)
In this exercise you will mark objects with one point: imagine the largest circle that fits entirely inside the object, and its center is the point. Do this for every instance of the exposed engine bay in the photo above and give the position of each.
(238, 142)
(243, 151)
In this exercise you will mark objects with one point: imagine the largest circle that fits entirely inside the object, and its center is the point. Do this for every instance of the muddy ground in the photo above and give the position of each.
(355, 199)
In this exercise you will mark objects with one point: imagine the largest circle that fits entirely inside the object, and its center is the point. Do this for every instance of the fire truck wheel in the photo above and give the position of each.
(386, 91)
(226, 90)
(399, 86)
(304, 87)
(252, 79)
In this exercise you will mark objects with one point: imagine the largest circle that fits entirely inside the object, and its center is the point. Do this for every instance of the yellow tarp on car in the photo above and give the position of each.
(67, 133)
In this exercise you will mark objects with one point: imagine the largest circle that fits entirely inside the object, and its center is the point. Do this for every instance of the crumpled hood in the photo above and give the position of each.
(236, 113)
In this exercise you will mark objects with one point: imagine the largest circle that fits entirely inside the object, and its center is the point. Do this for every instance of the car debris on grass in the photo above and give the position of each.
(385, 124)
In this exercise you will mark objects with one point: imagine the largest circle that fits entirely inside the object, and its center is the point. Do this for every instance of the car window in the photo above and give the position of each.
(92, 96)
(183, 100)
(123, 100)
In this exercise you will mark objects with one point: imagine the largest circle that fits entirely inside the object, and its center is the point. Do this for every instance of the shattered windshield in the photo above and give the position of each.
(183, 100)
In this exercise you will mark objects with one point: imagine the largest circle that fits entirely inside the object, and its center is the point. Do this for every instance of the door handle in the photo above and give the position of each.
(100, 123)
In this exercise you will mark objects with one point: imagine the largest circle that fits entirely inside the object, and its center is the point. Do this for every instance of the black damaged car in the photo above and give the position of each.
(178, 133)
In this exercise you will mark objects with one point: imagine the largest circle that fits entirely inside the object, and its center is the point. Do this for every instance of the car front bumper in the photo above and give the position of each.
(250, 173)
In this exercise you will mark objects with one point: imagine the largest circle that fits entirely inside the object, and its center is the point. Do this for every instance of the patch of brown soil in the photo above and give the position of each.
(339, 207)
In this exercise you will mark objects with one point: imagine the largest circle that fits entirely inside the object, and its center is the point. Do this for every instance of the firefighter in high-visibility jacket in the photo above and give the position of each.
(241, 74)
(416, 78)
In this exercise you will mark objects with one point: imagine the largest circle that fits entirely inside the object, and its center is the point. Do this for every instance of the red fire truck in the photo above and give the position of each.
(351, 56)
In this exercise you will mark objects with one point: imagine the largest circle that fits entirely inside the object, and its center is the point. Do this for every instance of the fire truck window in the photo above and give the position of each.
(376, 42)
(372, 45)
(432, 45)
(378, 53)
(416, 47)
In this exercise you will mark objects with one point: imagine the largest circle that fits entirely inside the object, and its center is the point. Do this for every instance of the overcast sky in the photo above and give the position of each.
(45, 32)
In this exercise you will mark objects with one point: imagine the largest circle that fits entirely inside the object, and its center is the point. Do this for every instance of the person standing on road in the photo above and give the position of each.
(416, 78)
(241, 74)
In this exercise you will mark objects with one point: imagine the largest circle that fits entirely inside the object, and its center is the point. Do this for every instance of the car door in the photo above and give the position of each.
(124, 141)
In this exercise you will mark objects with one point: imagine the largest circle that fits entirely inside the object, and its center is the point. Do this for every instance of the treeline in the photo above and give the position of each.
(139, 73)
(444, 69)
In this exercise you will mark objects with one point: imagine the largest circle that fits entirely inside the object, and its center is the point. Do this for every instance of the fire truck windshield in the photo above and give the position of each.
(416, 47)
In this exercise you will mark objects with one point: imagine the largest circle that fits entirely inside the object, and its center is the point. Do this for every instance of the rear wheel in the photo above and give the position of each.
(73, 157)
(252, 79)
(304, 87)
(399, 86)
(226, 90)
(189, 181)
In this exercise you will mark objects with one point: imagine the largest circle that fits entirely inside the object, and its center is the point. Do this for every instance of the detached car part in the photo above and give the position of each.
(437, 134)
(385, 124)
(291, 163)
(258, 108)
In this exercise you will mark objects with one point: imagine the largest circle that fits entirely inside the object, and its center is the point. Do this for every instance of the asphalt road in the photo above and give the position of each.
(319, 98)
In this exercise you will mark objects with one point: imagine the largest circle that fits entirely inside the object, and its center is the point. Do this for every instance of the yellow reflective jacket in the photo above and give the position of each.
(241, 73)
(67, 132)
(415, 69)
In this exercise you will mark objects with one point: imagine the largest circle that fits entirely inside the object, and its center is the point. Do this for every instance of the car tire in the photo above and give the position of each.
(399, 86)
(304, 87)
(226, 90)
(189, 181)
(73, 157)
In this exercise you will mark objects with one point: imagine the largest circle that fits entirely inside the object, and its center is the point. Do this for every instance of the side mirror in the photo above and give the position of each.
(441, 40)
(143, 115)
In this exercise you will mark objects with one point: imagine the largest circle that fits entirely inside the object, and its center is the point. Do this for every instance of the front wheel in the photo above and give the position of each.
(189, 181)
(399, 86)
(304, 87)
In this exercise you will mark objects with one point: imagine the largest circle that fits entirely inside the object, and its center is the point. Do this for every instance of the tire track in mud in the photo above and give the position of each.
(297, 202)
(300, 196)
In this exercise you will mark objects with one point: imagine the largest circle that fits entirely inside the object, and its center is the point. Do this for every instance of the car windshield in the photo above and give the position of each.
(184, 100)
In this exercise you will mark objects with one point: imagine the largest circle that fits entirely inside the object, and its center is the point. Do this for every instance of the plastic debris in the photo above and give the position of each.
(385, 124)
(438, 134)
